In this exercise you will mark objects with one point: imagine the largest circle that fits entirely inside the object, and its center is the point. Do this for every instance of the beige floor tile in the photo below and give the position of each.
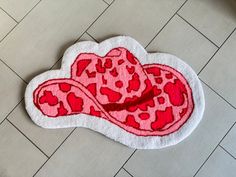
(18, 157)
(11, 90)
(220, 164)
(6, 24)
(180, 39)
(214, 18)
(42, 37)
(46, 139)
(136, 18)
(122, 173)
(86, 153)
(185, 158)
(229, 142)
(84, 37)
(220, 71)
(18, 9)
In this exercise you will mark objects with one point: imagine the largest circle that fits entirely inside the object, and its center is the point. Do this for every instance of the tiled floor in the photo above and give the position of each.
(33, 37)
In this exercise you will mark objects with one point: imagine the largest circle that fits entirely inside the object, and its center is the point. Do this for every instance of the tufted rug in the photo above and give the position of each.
(143, 100)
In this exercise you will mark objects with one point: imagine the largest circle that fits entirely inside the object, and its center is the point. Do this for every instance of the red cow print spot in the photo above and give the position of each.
(134, 83)
(104, 81)
(75, 103)
(154, 71)
(119, 84)
(148, 87)
(156, 91)
(92, 88)
(131, 58)
(64, 87)
(91, 74)
(48, 98)
(108, 63)
(161, 100)
(81, 65)
(158, 80)
(112, 95)
(130, 121)
(114, 72)
(175, 92)
(144, 116)
(162, 118)
(94, 112)
(130, 69)
(169, 76)
(61, 110)
(99, 67)
(120, 61)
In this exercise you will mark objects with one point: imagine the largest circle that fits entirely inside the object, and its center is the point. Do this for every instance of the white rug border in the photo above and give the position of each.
(105, 127)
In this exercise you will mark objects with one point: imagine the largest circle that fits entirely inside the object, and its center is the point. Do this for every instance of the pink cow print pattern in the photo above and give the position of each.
(145, 100)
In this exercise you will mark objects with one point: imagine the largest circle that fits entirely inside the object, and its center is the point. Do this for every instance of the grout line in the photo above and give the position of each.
(27, 138)
(92, 37)
(216, 51)
(20, 21)
(11, 111)
(30, 10)
(95, 20)
(56, 63)
(63, 142)
(11, 31)
(125, 162)
(9, 15)
(165, 24)
(227, 152)
(105, 2)
(128, 172)
(208, 61)
(13, 71)
(213, 150)
(40, 167)
(198, 31)
(218, 94)
(54, 152)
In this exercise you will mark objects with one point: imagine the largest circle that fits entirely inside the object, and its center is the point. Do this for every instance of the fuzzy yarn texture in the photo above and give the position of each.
(143, 100)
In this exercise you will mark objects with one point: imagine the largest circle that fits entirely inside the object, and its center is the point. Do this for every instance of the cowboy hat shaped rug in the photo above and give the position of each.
(143, 100)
